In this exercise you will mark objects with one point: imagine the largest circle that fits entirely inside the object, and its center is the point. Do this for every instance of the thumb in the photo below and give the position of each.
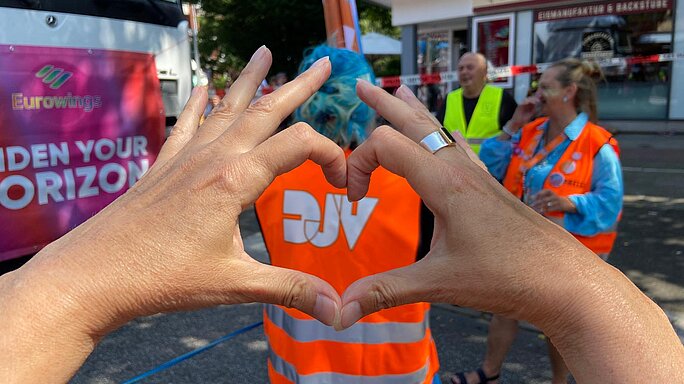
(389, 289)
(294, 289)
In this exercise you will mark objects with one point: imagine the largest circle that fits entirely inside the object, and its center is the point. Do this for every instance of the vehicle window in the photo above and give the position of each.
(161, 12)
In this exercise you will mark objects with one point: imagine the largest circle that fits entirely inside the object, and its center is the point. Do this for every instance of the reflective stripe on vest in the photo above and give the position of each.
(366, 333)
(289, 372)
(484, 123)
(472, 141)
(572, 174)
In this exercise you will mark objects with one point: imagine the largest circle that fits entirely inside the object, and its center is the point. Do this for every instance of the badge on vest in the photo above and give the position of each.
(488, 108)
(556, 179)
(569, 167)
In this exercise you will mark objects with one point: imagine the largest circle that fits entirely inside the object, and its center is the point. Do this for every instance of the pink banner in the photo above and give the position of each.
(79, 127)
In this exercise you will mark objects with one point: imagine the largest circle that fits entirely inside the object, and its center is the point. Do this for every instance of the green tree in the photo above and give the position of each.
(231, 30)
(374, 18)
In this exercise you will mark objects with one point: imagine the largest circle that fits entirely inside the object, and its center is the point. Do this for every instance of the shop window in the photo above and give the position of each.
(493, 37)
(433, 57)
(612, 33)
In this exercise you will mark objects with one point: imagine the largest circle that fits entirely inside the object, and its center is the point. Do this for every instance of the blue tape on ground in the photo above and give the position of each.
(190, 354)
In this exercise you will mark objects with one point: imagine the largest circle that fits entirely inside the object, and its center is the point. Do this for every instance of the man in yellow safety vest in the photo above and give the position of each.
(477, 110)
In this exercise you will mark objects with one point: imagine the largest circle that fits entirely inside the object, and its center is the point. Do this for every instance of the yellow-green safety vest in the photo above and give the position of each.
(485, 120)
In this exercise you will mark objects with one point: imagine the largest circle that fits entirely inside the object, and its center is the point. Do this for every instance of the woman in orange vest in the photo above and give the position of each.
(565, 167)
(311, 226)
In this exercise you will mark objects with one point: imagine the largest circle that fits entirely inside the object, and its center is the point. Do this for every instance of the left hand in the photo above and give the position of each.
(172, 242)
(548, 201)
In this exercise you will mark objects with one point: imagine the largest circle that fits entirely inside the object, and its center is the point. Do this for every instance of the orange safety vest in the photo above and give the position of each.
(571, 175)
(310, 226)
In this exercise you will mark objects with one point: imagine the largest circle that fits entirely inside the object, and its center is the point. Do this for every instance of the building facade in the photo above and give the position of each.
(639, 43)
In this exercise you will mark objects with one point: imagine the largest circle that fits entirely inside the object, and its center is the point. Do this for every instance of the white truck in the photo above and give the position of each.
(88, 87)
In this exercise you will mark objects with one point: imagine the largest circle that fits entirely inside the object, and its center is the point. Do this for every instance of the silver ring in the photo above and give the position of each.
(435, 141)
(548, 205)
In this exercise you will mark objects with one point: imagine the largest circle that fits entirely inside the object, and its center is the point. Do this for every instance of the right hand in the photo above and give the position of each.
(524, 113)
(489, 251)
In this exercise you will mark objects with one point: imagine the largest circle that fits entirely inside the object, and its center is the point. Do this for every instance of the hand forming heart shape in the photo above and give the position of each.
(173, 242)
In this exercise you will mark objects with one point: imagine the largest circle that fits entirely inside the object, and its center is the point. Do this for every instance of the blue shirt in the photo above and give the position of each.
(598, 209)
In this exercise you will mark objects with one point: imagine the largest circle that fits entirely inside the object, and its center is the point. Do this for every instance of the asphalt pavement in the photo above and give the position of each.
(649, 250)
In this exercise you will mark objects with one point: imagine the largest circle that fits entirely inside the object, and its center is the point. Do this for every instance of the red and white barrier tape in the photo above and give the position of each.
(515, 70)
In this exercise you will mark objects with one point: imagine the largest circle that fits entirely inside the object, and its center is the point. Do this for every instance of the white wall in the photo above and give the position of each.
(413, 11)
(523, 52)
(676, 90)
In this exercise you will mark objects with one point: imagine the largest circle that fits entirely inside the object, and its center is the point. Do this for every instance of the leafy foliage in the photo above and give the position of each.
(231, 30)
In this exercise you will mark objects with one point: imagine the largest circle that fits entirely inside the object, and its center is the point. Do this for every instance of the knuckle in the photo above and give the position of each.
(382, 295)
(295, 294)
(225, 110)
(382, 132)
(302, 132)
(229, 179)
(420, 117)
(264, 106)
(179, 131)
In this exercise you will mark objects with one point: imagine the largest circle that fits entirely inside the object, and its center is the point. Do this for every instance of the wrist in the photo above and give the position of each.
(44, 324)
(510, 129)
(601, 315)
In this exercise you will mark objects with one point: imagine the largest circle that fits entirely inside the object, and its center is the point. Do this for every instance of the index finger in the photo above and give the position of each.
(401, 156)
(412, 122)
(261, 119)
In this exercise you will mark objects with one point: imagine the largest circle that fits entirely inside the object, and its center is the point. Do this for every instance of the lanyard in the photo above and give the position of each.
(534, 160)
(548, 148)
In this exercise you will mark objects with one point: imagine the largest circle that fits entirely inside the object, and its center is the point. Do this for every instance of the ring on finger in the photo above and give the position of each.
(437, 140)
(548, 205)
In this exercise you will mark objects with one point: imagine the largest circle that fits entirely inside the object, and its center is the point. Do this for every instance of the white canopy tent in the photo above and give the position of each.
(378, 44)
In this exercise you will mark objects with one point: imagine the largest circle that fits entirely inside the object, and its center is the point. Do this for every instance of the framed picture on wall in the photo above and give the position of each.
(494, 37)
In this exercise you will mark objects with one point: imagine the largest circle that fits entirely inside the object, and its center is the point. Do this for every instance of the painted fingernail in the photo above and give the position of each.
(321, 61)
(325, 310)
(404, 90)
(351, 313)
(363, 82)
(259, 53)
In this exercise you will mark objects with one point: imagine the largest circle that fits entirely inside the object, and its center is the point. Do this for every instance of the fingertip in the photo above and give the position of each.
(356, 191)
(362, 86)
(404, 92)
(326, 310)
(357, 184)
(350, 314)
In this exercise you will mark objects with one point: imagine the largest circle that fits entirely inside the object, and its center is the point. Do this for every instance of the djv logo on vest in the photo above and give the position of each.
(338, 211)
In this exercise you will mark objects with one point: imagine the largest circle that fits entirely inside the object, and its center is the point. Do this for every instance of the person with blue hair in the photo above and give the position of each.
(311, 226)
(335, 110)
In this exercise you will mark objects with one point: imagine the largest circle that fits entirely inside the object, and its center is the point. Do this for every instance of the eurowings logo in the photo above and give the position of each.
(56, 77)
(305, 223)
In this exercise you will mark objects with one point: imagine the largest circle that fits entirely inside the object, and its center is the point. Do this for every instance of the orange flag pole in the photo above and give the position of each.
(341, 24)
(333, 23)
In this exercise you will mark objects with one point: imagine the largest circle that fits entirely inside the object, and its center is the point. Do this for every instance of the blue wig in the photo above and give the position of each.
(335, 110)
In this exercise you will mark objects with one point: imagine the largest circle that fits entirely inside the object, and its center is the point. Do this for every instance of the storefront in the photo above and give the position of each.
(434, 33)
(611, 32)
(544, 31)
